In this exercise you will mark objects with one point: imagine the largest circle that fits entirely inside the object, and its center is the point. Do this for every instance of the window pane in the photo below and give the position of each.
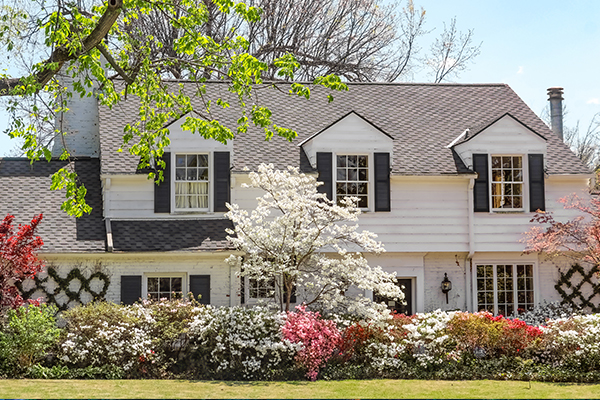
(192, 160)
(152, 284)
(352, 188)
(506, 162)
(341, 174)
(352, 174)
(362, 161)
(517, 201)
(352, 161)
(203, 174)
(363, 175)
(192, 174)
(180, 161)
(518, 175)
(507, 176)
(496, 162)
(517, 189)
(362, 202)
(341, 161)
(203, 160)
(176, 285)
(517, 162)
(165, 295)
(341, 188)
(164, 284)
(362, 188)
(180, 174)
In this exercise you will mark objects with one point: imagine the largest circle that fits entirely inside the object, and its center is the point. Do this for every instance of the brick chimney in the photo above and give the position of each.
(556, 110)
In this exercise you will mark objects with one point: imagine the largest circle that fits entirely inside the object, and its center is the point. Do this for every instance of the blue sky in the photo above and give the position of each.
(530, 45)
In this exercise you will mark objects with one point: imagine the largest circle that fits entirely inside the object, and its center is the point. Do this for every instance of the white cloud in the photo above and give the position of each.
(593, 101)
(521, 70)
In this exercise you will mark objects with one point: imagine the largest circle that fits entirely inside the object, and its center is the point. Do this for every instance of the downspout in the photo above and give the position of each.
(109, 238)
(469, 257)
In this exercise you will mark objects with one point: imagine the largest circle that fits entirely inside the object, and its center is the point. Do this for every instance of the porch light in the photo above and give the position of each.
(446, 286)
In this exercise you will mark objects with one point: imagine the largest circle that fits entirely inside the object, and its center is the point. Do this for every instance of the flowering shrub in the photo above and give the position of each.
(545, 311)
(426, 338)
(240, 343)
(571, 342)
(318, 338)
(483, 335)
(109, 334)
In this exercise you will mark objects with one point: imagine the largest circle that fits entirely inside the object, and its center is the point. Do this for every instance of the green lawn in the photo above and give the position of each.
(30, 388)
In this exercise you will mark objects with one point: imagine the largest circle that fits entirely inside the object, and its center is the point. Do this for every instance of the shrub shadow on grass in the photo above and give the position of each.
(248, 383)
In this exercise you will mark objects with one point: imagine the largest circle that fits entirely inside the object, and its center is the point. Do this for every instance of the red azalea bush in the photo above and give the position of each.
(18, 258)
(485, 335)
(319, 338)
(357, 337)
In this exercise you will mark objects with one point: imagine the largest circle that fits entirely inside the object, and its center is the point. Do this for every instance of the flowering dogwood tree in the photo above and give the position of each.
(578, 237)
(296, 237)
(18, 259)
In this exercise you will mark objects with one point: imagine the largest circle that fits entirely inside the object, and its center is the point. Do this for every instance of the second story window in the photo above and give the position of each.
(352, 178)
(191, 182)
(507, 182)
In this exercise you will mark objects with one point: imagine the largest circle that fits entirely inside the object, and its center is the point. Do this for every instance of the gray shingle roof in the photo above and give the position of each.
(422, 118)
(25, 192)
(170, 235)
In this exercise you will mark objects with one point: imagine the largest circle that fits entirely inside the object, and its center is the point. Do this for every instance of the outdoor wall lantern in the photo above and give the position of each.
(446, 286)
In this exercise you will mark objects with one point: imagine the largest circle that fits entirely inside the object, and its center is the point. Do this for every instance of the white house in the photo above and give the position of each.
(448, 177)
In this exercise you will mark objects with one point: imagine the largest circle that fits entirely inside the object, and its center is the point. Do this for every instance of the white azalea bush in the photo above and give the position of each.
(298, 238)
(101, 334)
(241, 343)
(427, 338)
(571, 342)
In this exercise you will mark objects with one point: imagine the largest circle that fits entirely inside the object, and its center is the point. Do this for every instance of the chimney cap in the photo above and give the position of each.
(555, 93)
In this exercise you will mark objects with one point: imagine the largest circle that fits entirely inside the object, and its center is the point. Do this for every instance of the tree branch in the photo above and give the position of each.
(61, 54)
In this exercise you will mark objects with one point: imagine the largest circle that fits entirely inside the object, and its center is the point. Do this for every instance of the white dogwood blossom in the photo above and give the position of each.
(298, 238)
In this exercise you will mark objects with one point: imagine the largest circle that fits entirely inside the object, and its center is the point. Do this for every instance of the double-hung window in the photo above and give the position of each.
(352, 178)
(192, 182)
(507, 183)
(503, 289)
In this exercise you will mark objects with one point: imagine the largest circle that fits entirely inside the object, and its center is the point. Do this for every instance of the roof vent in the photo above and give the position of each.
(556, 110)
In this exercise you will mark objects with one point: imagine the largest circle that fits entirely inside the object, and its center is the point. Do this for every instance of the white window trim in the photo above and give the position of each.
(525, 196)
(494, 262)
(210, 208)
(370, 182)
(184, 282)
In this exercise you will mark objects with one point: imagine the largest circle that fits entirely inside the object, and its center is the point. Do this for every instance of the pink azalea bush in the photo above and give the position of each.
(319, 338)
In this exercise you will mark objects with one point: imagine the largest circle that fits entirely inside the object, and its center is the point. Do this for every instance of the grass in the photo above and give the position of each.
(31, 388)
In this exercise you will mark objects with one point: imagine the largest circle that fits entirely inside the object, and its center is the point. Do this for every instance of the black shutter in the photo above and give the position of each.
(131, 288)
(162, 192)
(537, 198)
(324, 166)
(382, 182)
(481, 191)
(221, 180)
(200, 285)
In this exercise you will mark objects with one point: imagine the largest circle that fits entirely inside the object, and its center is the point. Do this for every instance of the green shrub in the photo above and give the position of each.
(28, 334)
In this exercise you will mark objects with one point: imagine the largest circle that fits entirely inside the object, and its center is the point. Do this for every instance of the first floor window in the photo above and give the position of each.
(503, 289)
(352, 178)
(191, 181)
(164, 287)
(261, 288)
(507, 182)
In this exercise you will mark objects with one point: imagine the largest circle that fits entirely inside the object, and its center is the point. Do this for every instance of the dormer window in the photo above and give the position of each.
(352, 172)
(507, 182)
(191, 182)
